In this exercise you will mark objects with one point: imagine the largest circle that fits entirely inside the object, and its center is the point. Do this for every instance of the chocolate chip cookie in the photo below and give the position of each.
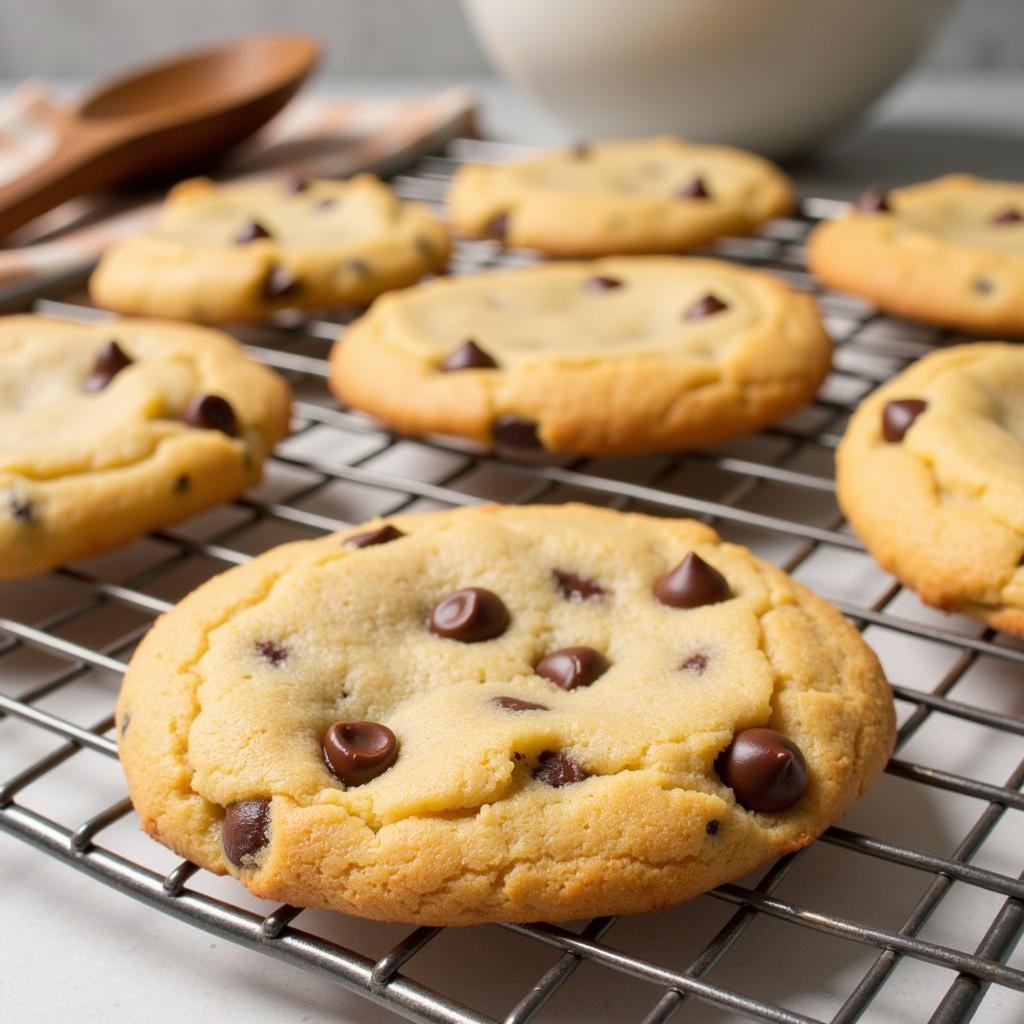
(499, 714)
(633, 196)
(623, 355)
(948, 252)
(110, 430)
(930, 474)
(241, 252)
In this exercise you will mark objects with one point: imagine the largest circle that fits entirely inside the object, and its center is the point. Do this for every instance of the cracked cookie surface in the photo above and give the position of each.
(616, 356)
(930, 474)
(224, 253)
(631, 196)
(499, 714)
(110, 430)
(948, 252)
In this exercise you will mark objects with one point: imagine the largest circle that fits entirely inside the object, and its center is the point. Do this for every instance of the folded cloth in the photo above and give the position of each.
(316, 136)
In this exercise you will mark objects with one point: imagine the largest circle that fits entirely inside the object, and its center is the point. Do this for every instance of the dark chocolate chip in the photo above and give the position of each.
(296, 183)
(382, 535)
(899, 415)
(695, 663)
(468, 356)
(211, 412)
(572, 667)
(251, 232)
(515, 704)
(126, 720)
(1008, 216)
(695, 189)
(516, 432)
(246, 830)
(580, 151)
(983, 286)
(272, 651)
(280, 283)
(873, 200)
(357, 752)
(712, 827)
(557, 769)
(470, 616)
(497, 227)
(358, 266)
(691, 584)
(602, 283)
(182, 484)
(709, 305)
(21, 508)
(576, 588)
(109, 363)
(424, 247)
(325, 203)
(765, 770)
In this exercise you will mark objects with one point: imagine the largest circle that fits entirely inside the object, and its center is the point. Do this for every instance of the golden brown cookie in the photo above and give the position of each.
(108, 431)
(948, 252)
(499, 714)
(930, 474)
(241, 252)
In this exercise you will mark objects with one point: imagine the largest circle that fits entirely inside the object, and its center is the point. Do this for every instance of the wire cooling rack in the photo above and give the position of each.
(909, 910)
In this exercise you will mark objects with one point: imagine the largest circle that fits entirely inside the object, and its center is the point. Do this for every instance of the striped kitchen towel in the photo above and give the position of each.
(316, 136)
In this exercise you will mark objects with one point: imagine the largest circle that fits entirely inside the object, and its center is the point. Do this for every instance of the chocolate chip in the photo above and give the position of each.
(516, 432)
(1008, 216)
(515, 704)
(572, 667)
(182, 484)
(21, 508)
(468, 356)
(557, 769)
(280, 283)
(211, 412)
(580, 151)
(358, 266)
(765, 770)
(602, 283)
(382, 535)
(691, 584)
(110, 361)
(695, 663)
(983, 286)
(899, 415)
(695, 189)
(125, 722)
(272, 651)
(576, 588)
(712, 827)
(325, 203)
(424, 247)
(246, 830)
(497, 227)
(470, 616)
(295, 184)
(250, 233)
(709, 305)
(873, 200)
(357, 752)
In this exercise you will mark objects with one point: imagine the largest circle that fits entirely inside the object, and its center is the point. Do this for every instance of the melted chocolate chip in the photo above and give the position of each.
(125, 722)
(1008, 216)
(468, 356)
(516, 432)
(515, 704)
(470, 616)
(695, 663)
(576, 588)
(296, 184)
(709, 305)
(357, 752)
(182, 484)
(983, 286)
(21, 508)
(765, 770)
(572, 667)
(695, 189)
(555, 768)
(246, 830)
(873, 200)
(280, 283)
(602, 283)
(382, 535)
(898, 416)
(211, 412)
(581, 150)
(110, 361)
(497, 227)
(325, 203)
(691, 584)
(250, 233)
(424, 247)
(274, 652)
(712, 827)
(358, 266)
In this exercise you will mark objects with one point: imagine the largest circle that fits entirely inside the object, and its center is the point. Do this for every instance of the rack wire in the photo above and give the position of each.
(773, 492)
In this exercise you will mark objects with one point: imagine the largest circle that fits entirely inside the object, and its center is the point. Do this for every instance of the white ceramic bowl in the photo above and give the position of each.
(771, 75)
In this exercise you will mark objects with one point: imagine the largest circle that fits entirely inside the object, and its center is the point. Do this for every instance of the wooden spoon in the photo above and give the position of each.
(164, 118)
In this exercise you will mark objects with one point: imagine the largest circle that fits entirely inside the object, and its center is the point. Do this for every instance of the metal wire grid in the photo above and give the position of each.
(870, 348)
